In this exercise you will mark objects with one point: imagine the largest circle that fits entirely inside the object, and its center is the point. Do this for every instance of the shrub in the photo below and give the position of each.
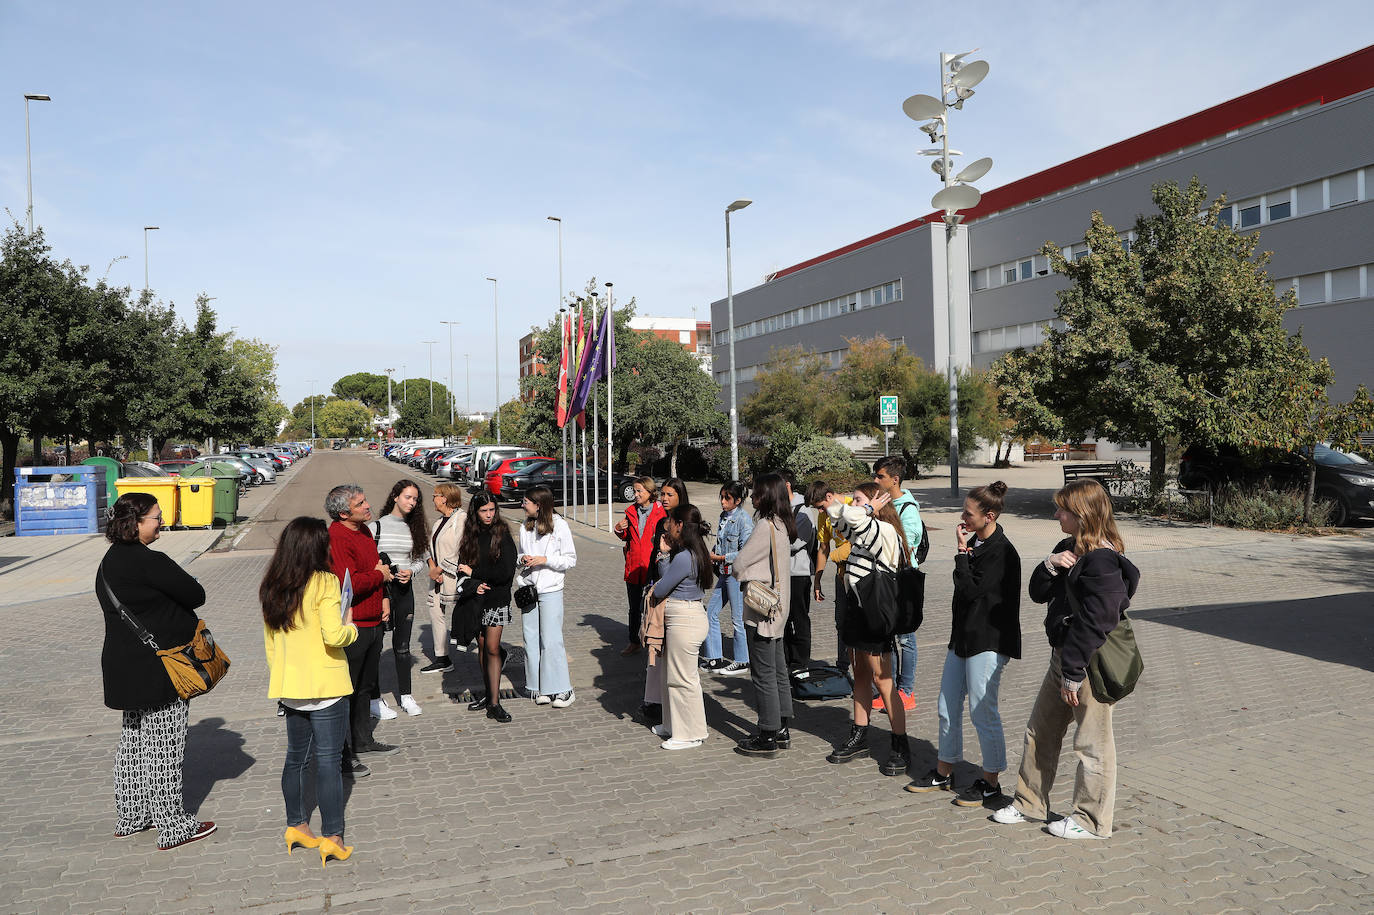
(753, 459)
(1254, 508)
(818, 455)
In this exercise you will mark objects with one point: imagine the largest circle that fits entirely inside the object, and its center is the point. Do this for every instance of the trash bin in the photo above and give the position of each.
(164, 489)
(226, 476)
(56, 500)
(105, 483)
(197, 496)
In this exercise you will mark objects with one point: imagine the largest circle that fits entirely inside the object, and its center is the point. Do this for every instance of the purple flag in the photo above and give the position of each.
(596, 365)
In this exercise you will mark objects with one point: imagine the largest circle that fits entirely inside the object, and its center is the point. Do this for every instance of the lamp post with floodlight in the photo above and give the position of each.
(730, 318)
(28, 149)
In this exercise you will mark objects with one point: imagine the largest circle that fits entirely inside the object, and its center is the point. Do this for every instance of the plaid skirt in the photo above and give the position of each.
(496, 616)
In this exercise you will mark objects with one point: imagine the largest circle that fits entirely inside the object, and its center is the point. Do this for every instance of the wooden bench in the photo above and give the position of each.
(1039, 451)
(1106, 473)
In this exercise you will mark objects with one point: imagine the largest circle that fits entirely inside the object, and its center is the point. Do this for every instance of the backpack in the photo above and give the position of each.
(820, 683)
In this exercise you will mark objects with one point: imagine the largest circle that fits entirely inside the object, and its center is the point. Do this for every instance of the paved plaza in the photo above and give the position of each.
(1245, 754)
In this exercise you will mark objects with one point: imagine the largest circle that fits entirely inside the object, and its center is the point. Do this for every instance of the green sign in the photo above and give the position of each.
(887, 407)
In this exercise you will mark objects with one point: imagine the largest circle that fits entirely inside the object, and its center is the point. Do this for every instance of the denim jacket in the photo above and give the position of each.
(734, 529)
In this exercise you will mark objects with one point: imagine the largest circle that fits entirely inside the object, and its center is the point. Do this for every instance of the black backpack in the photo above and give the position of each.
(820, 683)
(911, 587)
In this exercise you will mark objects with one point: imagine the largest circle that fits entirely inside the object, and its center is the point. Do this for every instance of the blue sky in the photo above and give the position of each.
(342, 176)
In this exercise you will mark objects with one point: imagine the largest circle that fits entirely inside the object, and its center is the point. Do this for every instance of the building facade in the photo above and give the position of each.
(1295, 160)
(694, 335)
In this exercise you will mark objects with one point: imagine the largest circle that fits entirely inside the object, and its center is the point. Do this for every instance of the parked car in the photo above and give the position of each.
(141, 469)
(373, 446)
(176, 466)
(499, 468)
(549, 472)
(1344, 480)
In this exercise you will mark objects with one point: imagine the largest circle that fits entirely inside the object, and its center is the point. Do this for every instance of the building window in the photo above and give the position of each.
(1309, 198)
(1224, 218)
(1345, 284)
(1009, 276)
(1249, 216)
(1026, 268)
(1279, 211)
(1342, 189)
(980, 281)
(1312, 289)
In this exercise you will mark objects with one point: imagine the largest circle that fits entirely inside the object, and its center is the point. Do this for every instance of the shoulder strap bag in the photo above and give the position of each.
(193, 668)
(765, 600)
(1114, 668)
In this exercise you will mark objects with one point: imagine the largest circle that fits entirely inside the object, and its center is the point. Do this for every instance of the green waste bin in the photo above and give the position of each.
(226, 488)
(106, 488)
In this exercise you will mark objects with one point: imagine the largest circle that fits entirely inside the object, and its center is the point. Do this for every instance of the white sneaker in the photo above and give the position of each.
(541, 699)
(1067, 828)
(675, 744)
(381, 710)
(1008, 815)
(660, 731)
(410, 705)
(563, 700)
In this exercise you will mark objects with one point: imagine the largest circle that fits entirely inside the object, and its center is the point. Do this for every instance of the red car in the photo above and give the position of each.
(509, 465)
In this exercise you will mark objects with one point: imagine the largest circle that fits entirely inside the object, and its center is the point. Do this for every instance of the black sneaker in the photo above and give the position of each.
(439, 666)
(381, 749)
(352, 768)
(981, 794)
(714, 665)
(763, 745)
(784, 737)
(856, 747)
(931, 781)
(733, 669)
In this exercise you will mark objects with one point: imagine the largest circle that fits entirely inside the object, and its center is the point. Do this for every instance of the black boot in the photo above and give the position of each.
(784, 737)
(652, 712)
(479, 703)
(763, 745)
(897, 760)
(856, 747)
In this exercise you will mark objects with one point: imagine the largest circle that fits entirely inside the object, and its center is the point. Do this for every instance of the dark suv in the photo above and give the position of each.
(1345, 480)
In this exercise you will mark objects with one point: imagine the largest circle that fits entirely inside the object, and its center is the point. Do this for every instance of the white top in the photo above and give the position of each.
(395, 542)
(558, 550)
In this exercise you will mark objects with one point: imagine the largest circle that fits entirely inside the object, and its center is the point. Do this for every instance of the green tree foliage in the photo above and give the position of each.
(416, 421)
(793, 386)
(1181, 335)
(344, 419)
(366, 387)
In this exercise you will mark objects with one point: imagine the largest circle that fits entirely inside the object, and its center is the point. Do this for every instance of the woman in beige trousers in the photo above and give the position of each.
(683, 580)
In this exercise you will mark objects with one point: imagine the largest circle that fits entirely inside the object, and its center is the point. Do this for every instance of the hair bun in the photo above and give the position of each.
(998, 488)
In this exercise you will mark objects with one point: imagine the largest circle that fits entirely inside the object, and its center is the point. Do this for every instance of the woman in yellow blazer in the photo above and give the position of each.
(305, 635)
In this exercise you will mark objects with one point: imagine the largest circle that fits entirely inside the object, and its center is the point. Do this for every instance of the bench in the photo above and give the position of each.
(1039, 451)
(1106, 473)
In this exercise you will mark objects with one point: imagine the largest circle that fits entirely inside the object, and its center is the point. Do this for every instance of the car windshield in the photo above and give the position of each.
(1332, 458)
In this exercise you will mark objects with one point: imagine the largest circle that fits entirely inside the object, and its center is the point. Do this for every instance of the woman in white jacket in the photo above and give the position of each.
(546, 553)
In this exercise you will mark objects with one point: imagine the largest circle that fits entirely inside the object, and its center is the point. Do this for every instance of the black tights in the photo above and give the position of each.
(490, 645)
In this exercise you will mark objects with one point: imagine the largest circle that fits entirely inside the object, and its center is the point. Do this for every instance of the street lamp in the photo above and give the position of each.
(430, 344)
(957, 79)
(28, 152)
(113, 261)
(496, 330)
(146, 230)
(730, 315)
(467, 380)
(450, 368)
(312, 410)
(389, 373)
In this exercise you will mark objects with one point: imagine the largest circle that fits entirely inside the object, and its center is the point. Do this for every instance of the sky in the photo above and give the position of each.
(342, 177)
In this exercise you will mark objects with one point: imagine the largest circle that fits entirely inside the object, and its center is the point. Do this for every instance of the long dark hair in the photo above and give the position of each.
(472, 527)
(419, 533)
(541, 523)
(302, 551)
(771, 501)
(690, 538)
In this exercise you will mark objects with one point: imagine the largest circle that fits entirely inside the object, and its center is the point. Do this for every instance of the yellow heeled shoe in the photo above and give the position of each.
(296, 837)
(331, 849)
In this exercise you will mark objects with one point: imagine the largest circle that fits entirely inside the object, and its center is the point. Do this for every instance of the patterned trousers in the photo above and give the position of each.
(147, 774)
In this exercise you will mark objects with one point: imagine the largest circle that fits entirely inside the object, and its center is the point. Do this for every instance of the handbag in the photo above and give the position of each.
(1115, 668)
(765, 600)
(877, 597)
(193, 668)
(526, 597)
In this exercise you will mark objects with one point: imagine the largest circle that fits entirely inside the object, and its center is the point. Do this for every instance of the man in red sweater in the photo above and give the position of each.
(352, 550)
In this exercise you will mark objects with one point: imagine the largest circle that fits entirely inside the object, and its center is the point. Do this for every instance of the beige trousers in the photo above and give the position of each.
(1094, 787)
(438, 625)
(685, 626)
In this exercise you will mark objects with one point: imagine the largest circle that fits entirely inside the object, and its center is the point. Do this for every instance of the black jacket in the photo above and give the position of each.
(1104, 582)
(499, 574)
(987, 599)
(163, 597)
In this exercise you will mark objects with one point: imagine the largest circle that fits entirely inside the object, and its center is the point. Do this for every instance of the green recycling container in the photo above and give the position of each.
(106, 488)
(226, 487)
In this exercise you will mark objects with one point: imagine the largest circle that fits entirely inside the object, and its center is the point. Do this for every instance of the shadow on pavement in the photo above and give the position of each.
(213, 754)
(1338, 628)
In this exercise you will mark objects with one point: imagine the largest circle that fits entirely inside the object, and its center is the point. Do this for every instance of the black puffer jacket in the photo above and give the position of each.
(1104, 582)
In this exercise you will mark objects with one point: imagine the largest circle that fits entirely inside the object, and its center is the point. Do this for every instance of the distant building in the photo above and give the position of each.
(694, 335)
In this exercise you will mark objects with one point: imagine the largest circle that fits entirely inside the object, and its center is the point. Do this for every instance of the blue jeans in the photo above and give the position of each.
(727, 588)
(906, 680)
(323, 731)
(977, 677)
(546, 661)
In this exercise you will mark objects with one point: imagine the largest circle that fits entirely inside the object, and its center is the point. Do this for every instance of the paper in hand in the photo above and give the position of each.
(345, 595)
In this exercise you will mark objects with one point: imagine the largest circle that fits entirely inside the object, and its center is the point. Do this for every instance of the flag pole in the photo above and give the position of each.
(596, 447)
(610, 401)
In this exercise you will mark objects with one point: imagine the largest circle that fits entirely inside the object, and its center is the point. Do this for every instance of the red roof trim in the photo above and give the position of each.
(1325, 83)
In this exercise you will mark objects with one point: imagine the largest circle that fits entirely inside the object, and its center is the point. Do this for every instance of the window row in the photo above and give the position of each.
(820, 311)
(830, 359)
(1330, 286)
(1300, 200)
(998, 339)
(1030, 267)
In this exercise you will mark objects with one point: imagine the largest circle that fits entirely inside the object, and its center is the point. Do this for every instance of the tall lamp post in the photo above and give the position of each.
(496, 330)
(467, 379)
(610, 400)
(28, 149)
(430, 344)
(957, 80)
(730, 316)
(312, 410)
(146, 230)
(450, 368)
(389, 373)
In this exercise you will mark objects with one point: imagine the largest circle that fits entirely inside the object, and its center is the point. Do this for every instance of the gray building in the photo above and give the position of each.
(1295, 159)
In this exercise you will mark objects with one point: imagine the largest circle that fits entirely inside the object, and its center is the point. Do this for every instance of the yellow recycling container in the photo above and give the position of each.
(164, 489)
(197, 495)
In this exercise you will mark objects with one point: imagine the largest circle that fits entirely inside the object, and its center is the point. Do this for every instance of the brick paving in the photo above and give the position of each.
(1241, 760)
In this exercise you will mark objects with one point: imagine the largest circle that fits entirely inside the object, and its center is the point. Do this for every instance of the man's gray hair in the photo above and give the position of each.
(340, 499)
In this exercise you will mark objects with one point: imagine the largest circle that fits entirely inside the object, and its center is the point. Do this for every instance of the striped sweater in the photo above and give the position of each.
(872, 542)
(395, 542)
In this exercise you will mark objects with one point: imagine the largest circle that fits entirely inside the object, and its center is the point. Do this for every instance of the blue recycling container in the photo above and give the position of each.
(56, 500)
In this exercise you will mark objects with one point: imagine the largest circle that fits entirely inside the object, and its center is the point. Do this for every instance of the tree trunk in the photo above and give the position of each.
(37, 447)
(672, 461)
(1157, 460)
(9, 442)
(913, 469)
(1311, 487)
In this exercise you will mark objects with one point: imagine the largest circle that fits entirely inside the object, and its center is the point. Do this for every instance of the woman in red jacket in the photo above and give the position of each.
(637, 530)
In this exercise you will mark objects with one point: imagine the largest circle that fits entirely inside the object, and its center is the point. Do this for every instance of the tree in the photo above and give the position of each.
(662, 395)
(416, 421)
(363, 386)
(793, 386)
(344, 419)
(1180, 334)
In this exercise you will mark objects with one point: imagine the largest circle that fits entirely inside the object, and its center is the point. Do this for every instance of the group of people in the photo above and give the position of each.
(331, 591)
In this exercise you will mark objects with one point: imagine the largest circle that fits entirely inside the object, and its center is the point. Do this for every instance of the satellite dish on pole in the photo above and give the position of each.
(970, 74)
(923, 107)
(958, 197)
(974, 170)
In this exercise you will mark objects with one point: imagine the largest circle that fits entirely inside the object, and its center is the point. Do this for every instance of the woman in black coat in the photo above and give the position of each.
(163, 598)
(487, 554)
